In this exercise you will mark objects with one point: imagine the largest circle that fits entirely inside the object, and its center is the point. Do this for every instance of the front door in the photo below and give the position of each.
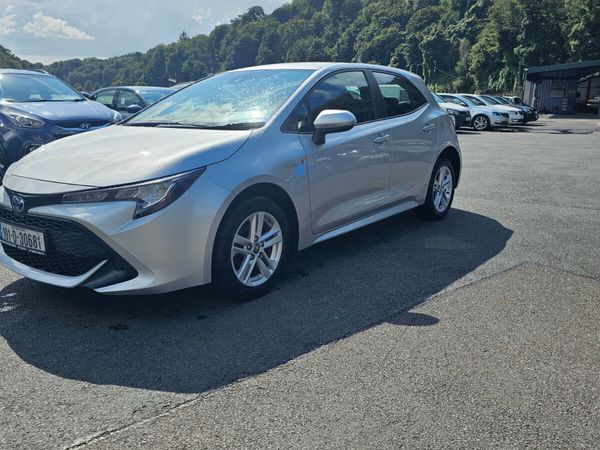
(349, 174)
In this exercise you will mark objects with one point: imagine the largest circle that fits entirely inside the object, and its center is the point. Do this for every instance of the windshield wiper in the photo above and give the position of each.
(48, 100)
(163, 124)
(237, 126)
(229, 126)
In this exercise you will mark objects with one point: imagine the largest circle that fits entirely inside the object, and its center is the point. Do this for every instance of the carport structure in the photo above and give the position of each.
(563, 88)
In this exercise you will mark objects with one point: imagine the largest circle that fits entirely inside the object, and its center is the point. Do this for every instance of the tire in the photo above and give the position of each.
(240, 272)
(431, 209)
(481, 123)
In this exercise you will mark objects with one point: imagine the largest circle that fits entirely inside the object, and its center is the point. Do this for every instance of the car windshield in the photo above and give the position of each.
(242, 99)
(155, 95)
(438, 98)
(502, 101)
(21, 88)
(455, 100)
(490, 100)
(473, 100)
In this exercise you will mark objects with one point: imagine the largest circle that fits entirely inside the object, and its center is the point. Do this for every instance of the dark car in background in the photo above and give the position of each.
(459, 114)
(530, 114)
(129, 100)
(37, 108)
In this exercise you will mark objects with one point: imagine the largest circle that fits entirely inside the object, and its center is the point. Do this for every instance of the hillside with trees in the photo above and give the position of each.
(8, 60)
(453, 44)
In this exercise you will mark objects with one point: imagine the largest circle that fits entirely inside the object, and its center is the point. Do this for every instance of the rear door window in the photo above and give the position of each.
(400, 96)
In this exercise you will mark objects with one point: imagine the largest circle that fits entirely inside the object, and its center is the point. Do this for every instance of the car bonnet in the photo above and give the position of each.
(119, 155)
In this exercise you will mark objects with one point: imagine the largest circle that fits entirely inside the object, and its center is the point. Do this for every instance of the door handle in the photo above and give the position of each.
(382, 139)
(429, 127)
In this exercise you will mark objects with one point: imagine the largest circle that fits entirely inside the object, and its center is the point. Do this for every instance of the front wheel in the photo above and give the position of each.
(252, 246)
(440, 193)
(481, 123)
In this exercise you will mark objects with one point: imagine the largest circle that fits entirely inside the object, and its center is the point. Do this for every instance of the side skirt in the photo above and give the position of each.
(367, 221)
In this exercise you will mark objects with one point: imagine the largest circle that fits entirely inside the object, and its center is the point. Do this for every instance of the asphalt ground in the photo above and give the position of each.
(479, 331)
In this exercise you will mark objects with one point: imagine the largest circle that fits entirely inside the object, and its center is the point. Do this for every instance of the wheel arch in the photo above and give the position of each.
(273, 192)
(452, 154)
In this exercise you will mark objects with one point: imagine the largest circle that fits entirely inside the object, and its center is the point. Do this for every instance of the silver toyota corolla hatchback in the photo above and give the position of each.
(224, 179)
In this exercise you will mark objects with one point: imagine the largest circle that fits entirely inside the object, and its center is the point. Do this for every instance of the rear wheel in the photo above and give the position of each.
(252, 247)
(481, 123)
(440, 193)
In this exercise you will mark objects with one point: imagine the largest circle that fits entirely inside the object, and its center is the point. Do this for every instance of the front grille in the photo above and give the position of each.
(77, 123)
(71, 249)
(505, 115)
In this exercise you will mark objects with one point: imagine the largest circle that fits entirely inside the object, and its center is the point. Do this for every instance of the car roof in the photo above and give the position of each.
(326, 65)
(25, 72)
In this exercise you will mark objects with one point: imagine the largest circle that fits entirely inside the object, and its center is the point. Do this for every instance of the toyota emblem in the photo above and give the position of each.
(18, 203)
(85, 126)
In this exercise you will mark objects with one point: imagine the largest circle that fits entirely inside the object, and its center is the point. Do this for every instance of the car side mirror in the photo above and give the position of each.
(132, 109)
(86, 94)
(332, 121)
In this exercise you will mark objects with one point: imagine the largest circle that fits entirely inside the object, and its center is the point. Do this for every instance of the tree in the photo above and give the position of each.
(459, 44)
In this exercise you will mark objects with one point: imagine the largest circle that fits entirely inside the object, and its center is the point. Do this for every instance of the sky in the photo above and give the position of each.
(51, 30)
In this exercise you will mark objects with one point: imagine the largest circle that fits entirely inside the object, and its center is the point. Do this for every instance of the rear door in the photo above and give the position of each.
(413, 122)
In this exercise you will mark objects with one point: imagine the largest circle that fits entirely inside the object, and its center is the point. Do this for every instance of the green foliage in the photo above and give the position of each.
(8, 60)
(454, 44)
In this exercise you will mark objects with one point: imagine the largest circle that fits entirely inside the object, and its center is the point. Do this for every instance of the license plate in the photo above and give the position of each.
(23, 238)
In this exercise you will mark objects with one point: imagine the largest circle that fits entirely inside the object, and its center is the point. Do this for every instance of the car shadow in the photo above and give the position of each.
(192, 341)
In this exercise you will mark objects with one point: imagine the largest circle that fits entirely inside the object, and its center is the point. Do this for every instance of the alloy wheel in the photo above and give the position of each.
(442, 189)
(256, 249)
(480, 123)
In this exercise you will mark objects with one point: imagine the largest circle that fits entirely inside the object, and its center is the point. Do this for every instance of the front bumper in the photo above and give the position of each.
(462, 119)
(165, 251)
(500, 121)
(517, 120)
(532, 116)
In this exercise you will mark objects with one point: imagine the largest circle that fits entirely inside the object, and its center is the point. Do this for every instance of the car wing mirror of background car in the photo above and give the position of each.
(332, 121)
(134, 108)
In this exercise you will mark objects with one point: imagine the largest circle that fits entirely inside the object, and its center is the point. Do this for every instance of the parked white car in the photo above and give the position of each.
(460, 115)
(515, 115)
(482, 117)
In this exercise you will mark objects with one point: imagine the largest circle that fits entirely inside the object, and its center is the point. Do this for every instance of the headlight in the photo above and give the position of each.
(23, 120)
(117, 117)
(496, 113)
(150, 196)
(454, 112)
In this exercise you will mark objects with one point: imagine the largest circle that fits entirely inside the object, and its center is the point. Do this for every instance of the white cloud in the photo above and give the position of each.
(202, 15)
(8, 23)
(47, 26)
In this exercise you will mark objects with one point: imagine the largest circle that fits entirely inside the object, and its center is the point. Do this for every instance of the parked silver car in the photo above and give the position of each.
(223, 180)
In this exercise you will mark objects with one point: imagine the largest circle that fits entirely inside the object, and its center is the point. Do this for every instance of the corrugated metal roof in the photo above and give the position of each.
(566, 66)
